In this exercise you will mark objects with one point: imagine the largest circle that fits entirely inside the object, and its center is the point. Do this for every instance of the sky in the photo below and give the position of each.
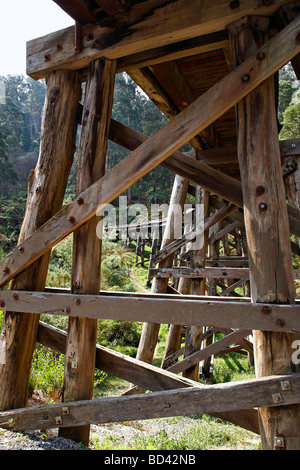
(22, 20)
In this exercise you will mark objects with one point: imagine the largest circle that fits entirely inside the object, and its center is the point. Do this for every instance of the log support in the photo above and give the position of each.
(267, 227)
(46, 188)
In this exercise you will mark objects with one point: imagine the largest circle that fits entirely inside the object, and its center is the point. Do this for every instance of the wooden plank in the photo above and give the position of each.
(166, 309)
(175, 51)
(79, 10)
(146, 26)
(117, 364)
(210, 272)
(215, 102)
(205, 400)
(213, 348)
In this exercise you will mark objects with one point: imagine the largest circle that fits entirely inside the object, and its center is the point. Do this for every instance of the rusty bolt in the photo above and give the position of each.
(6, 270)
(15, 296)
(90, 37)
(2, 303)
(71, 219)
(280, 323)
(59, 47)
(21, 249)
(77, 301)
(47, 57)
(263, 206)
(260, 190)
(246, 77)
(234, 4)
(266, 310)
(80, 201)
(261, 55)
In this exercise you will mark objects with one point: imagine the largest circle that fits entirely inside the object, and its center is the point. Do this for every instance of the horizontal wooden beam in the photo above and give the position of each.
(209, 272)
(170, 310)
(147, 25)
(263, 392)
(195, 118)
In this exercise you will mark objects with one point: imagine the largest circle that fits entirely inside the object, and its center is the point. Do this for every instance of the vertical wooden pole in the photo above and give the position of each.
(81, 339)
(46, 189)
(150, 331)
(267, 230)
(193, 337)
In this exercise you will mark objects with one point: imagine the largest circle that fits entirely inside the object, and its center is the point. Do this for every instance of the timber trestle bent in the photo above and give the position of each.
(211, 68)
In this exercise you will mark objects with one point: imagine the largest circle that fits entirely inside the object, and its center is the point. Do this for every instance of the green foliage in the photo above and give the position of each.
(47, 373)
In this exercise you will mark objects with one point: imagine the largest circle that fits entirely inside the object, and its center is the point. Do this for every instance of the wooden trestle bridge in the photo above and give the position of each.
(211, 67)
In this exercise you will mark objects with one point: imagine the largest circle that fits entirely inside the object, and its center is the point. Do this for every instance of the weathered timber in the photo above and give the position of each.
(167, 309)
(150, 331)
(210, 272)
(197, 232)
(148, 25)
(266, 223)
(145, 375)
(215, 102)
(79, 380)
(117, 364)
(202, 354)
(46, 188)
(197, 400)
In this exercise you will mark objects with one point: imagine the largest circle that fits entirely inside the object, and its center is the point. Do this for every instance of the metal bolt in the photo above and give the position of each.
(80, 201)
(21, 249)
(278, 441)
(58, 420)
(15, 296)
(74, 365)
(263, 206)
(285, 385)
(65, 410)
(59, 47)
(77, 301)
(277, 398)
(67, 310)
(280, 323)
(266, 310)
(261, 55)
(234, 4)
(47, 57)
(260, 190)
(2, 303)
(246, 77)
(71, 219)
(6, 270)
(71, 354)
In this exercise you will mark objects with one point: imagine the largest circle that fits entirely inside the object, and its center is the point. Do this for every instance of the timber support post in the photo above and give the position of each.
(46, 189)
(81, 340)
(267, 228)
